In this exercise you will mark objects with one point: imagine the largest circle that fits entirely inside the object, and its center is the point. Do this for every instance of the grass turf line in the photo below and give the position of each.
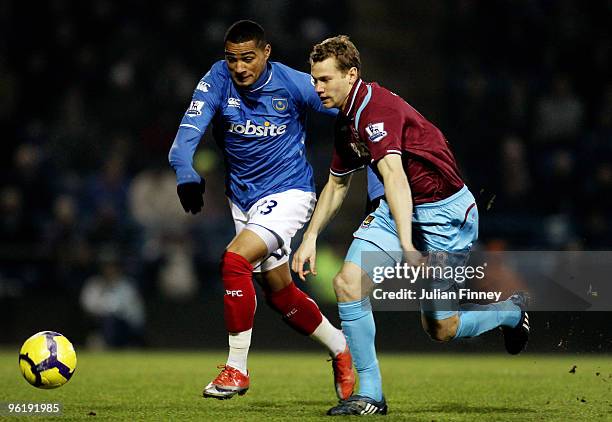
(293, 386)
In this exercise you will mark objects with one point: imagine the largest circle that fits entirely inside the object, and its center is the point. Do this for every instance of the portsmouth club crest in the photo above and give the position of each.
(280, 104)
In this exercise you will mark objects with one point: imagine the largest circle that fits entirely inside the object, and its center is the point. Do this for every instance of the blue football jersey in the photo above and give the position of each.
(261, 131)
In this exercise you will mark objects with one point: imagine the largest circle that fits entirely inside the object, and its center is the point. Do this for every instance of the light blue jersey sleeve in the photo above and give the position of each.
(203, 107)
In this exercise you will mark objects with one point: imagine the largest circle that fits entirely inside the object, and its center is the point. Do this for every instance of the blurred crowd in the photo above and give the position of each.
(91, 94)
(530, 112)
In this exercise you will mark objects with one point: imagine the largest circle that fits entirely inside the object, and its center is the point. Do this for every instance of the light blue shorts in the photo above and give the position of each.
(449, 225)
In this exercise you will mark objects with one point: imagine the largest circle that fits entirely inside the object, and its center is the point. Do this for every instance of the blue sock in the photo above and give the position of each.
(477, 319)
(359, 328)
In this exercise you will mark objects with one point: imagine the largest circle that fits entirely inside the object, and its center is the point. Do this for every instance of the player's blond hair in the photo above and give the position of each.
(341, 48)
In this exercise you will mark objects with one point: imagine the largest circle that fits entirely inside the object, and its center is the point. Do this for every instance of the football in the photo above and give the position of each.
(47, 360)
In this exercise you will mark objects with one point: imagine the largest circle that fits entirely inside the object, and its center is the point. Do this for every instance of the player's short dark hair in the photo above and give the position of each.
(245, 31)
(340, 47)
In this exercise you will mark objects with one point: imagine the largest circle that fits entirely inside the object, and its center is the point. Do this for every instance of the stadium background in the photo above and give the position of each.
(91, 94)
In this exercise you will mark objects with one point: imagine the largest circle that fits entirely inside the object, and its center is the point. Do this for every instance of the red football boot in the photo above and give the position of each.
(227, 384)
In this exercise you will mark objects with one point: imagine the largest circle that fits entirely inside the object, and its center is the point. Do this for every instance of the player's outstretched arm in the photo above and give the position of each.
(399, 198)
(329, 203)
(205, 101)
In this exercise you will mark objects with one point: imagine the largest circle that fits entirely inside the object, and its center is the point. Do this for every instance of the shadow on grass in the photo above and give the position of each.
(466, 408)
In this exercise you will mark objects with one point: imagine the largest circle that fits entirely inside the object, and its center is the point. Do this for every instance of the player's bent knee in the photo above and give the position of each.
(347, 290)
(441, 330)
(249, 245)
(234, 264)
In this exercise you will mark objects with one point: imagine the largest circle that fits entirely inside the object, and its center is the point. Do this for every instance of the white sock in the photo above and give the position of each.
(330, 337)
(239, 344)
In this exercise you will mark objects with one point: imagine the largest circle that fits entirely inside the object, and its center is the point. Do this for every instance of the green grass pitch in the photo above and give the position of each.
(292, 386)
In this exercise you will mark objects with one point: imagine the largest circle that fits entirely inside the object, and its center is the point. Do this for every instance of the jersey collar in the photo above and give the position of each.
(356, 94)
(264, 79)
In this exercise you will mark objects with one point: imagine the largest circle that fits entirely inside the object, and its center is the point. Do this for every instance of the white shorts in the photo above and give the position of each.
(276, 218)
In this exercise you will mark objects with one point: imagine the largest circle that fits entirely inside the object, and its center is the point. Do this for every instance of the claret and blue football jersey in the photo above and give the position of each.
(261, 131)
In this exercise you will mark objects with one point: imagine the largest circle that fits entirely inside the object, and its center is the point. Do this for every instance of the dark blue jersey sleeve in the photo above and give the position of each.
(203, 107)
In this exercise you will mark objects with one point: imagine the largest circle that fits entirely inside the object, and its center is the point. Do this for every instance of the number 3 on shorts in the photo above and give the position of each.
(267, 206)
